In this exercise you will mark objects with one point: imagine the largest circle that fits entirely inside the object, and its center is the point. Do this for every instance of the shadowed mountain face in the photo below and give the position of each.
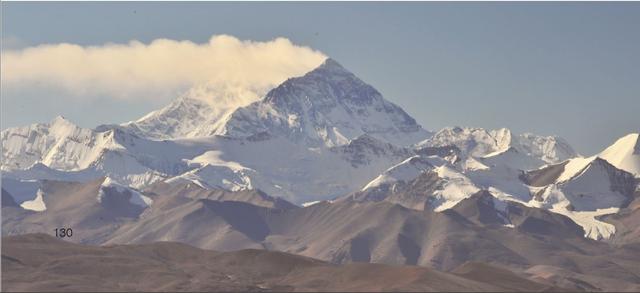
(7, 199)
(544, 176)
(483, 209)
(38, 262)
(193, 191)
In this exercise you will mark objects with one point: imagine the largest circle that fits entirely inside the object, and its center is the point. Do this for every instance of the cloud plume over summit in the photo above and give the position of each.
(144, 71)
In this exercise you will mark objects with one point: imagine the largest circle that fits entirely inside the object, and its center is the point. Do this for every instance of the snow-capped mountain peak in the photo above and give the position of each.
(475, 142)
(479, 142)
(328, 106)
(24, 146)
(60, 121)
(201, 111)
(550, 149)
(625, 153)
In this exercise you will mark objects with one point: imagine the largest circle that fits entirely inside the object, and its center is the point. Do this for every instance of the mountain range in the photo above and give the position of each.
(324, 166)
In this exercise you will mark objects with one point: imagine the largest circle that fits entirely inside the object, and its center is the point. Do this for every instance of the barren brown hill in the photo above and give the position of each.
(38, 262)
(627, 223)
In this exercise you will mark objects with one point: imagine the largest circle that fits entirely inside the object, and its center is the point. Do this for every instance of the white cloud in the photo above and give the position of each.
(144, 71)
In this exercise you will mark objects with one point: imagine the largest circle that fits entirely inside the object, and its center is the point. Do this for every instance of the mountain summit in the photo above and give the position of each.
(625, 153)
(328, 106)
(479, 142)
(198, 112)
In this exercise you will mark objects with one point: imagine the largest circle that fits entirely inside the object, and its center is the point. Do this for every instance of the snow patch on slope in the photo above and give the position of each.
(588, 220)
(557, 202)
(36, 204)
(310, 203)
(455, 188)
(136, 197)
(406, 170)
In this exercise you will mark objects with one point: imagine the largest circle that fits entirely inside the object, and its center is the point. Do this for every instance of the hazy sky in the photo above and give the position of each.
(570, 69)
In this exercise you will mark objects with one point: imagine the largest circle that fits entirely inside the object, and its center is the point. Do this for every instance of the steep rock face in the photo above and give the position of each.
(449, 152)
(544, 176)
(363, 149)
(328, 106)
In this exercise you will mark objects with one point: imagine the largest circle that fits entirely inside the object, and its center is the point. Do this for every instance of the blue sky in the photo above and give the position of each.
(569, 69)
